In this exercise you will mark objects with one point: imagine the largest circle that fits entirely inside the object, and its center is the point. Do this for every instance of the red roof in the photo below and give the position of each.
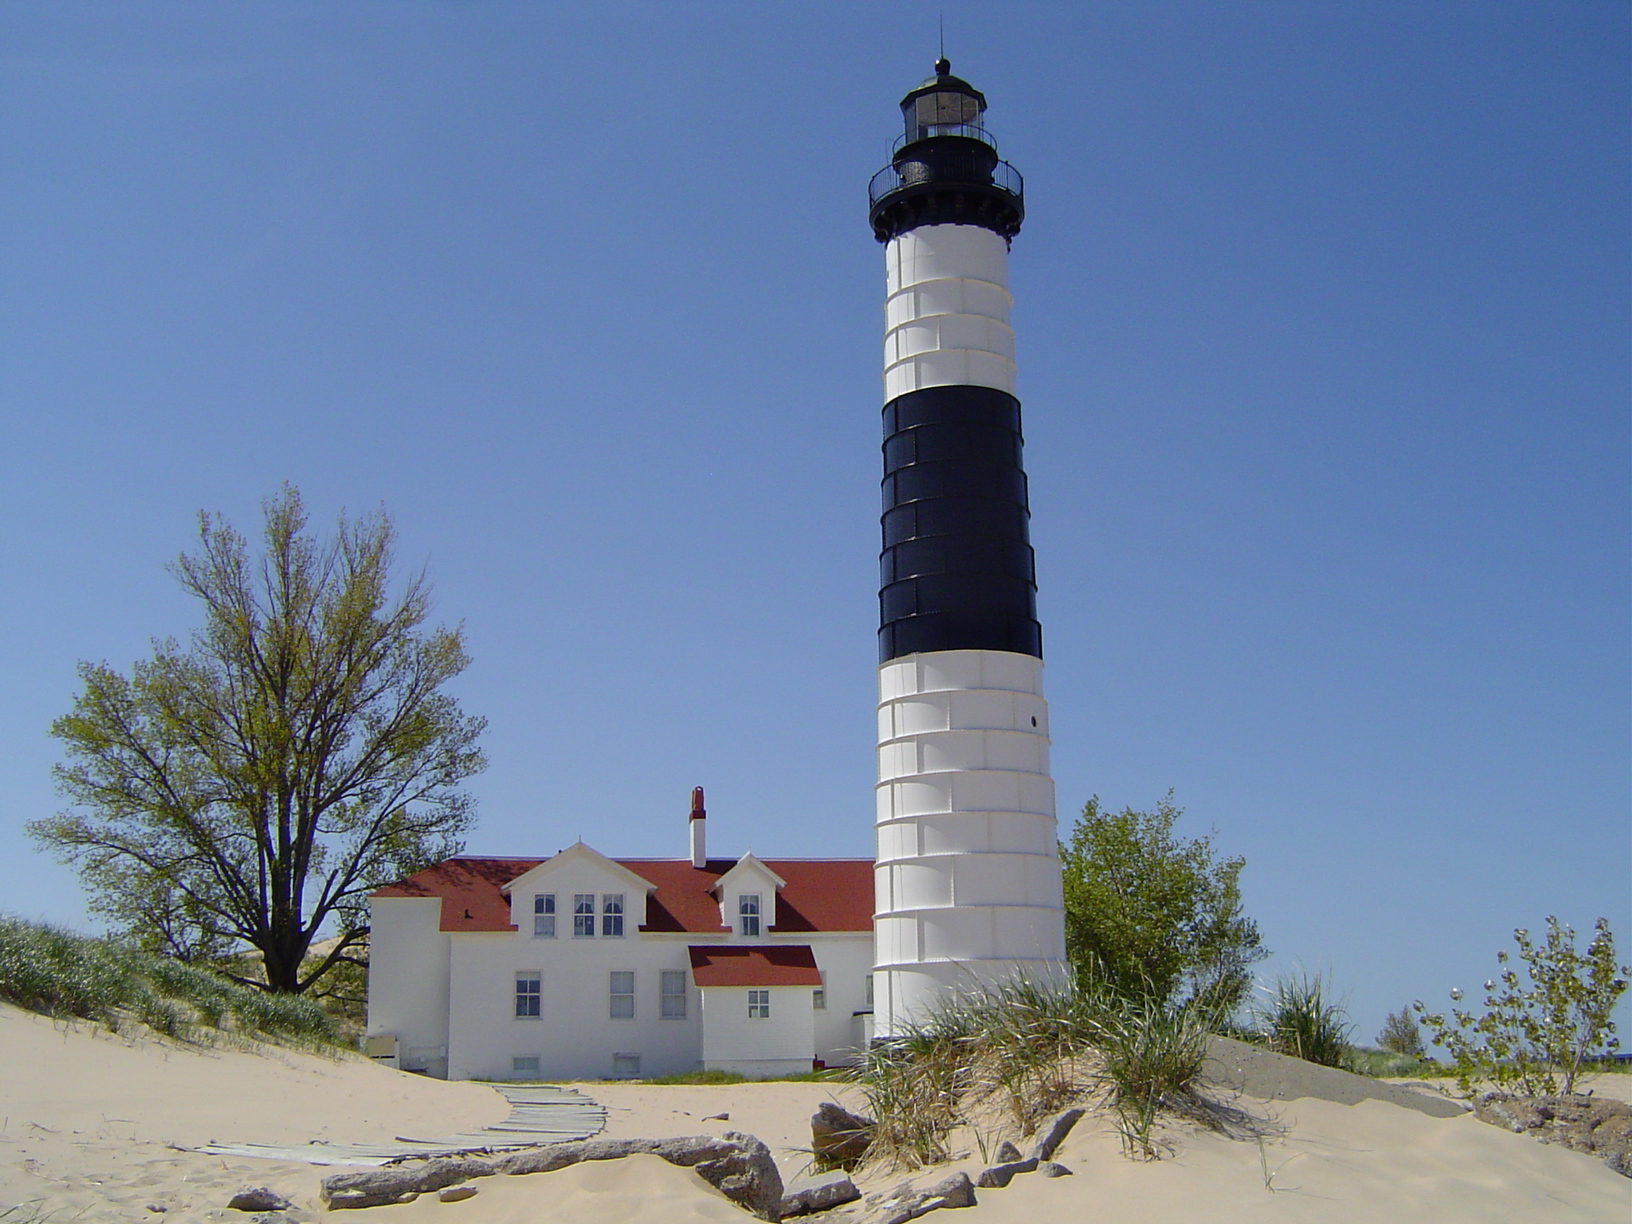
(754, 965)
(820, 894)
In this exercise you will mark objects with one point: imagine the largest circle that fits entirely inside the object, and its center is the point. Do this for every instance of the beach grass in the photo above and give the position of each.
(1013, 1053)
(58, 973)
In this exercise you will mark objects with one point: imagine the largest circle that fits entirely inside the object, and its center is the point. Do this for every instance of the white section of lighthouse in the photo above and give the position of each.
(967, 880)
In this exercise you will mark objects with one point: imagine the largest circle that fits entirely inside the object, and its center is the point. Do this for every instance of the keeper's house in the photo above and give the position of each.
(585, 967)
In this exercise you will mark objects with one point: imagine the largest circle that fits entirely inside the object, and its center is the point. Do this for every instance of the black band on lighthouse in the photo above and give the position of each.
(956, 571)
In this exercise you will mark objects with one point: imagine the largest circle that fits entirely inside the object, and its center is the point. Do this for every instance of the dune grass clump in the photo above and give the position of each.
(1018, 1052)
(57, 973)
(1301, 1019)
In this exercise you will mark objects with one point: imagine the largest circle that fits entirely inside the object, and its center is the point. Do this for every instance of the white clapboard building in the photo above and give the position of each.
(583, 966)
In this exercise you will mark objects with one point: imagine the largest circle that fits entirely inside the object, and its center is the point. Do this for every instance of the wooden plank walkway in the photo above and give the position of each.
(539, 1113)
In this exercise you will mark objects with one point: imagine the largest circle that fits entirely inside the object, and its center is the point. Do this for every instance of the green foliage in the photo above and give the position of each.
(1302, 1020)
(259, 782)
(1385, 1064)
(1152, 915)
(1400, 1034)
(1153, 1051)
(52, 971)
(1537, 1037)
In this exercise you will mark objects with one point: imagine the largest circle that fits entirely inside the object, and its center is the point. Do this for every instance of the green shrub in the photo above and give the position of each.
(1300, 1019)
(1537, 1038)
(1400, 1034)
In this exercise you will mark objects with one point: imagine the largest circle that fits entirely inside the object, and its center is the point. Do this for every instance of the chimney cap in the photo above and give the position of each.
(697, 812)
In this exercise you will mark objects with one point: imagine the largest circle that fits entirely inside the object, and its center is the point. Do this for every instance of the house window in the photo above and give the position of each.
(869, 990)
(674, 994)
(529, 991)
(544, 916)
(583, 915)
(818, 999)
(625, 1066)
(623, 994)
(611, 914)
(527, 1066)
(759, 1005)
(748, 913)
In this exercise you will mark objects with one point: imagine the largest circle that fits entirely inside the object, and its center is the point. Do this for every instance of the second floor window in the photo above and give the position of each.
(583, 915)
(612, 914)
(544, 916)
(748, 913)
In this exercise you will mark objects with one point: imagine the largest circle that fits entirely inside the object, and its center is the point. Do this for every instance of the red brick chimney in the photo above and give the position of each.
(699, 841)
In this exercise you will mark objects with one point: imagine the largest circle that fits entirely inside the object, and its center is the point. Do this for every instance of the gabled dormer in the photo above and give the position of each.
(747, 897)
(578, 894)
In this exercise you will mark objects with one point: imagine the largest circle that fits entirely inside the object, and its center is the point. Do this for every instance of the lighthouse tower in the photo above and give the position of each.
(968, 871)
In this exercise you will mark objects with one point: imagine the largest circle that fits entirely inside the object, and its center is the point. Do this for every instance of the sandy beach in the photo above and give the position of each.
(95, 1126)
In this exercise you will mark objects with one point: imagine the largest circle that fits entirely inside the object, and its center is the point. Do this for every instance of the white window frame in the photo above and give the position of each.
(612, 915)
(583, 915)
(748, 915)
(759, 1004)
(529, 994)
(621, 1003)
(869, 990)
(544, 916)
(818, 999)
(517, 1069)
(630, 1068)
(672, 987)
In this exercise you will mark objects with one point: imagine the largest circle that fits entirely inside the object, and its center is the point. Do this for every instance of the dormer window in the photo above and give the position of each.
(611, 915)
(583, 915)
(748, 914)
(544, 916)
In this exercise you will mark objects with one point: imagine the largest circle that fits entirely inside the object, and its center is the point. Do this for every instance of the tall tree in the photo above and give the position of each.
(1150, 914)
(254, 785)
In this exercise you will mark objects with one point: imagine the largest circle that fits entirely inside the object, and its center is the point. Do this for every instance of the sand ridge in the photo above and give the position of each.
(93, 1126)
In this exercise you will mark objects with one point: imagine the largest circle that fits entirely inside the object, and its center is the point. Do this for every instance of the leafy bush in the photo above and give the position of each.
(1301, 1020)
(52, 971)
(1150, 914)
(1400, 1034)
(1537, 1038)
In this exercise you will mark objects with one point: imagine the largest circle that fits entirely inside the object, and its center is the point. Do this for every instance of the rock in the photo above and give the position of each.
(1599, 1126)
(1053, 1132)
(456, 1194)
(1007, 1152)
(1000, 1175)
(908, 1202)
(157, 1207)
(719, 1117)
(258, 1198)
(838, 1136)
(1053, 1168)
(402, 1183)
(748, 1176)
(738, 1165)
(818, 1193)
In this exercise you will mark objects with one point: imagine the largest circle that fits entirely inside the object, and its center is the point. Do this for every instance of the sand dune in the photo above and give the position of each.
(91, 1127)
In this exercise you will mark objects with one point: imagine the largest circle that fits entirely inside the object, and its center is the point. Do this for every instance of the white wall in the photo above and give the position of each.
(968, 874)
(946, 314)
(781, 1043)
(408, 979)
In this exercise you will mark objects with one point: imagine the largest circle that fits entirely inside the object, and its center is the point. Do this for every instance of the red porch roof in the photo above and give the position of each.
(754, 965)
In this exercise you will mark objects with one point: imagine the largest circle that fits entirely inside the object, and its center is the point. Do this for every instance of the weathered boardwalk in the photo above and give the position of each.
(539, 1113)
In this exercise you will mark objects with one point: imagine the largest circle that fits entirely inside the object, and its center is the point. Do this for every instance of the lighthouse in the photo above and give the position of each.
(967, 878)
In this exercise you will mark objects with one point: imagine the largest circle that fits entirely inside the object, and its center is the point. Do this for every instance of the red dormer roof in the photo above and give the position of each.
(820, 894)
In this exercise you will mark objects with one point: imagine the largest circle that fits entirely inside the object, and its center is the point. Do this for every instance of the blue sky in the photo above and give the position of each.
(1323, 317)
